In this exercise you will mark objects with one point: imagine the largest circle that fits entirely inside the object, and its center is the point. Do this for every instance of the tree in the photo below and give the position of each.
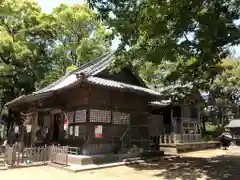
(225, 88)
(195, 35)
(25, 39)
(37, 48)
(80, 37)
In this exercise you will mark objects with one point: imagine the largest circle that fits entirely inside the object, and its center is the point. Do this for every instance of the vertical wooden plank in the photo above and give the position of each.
(50, 153)
(60, 154)
(43, 154)
(31, 154)
(28, 154)
(53, 153)
(18, 155)
(35, 154)
(38, 154)
(66, 155)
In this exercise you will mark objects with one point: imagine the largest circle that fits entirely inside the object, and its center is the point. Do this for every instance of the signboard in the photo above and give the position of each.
(71, 130)
(76, 131)
(98, 132)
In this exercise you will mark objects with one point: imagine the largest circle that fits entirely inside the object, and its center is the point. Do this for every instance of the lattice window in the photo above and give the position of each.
(81, 116)
(103, 116)
(70, 116)
(121, 118)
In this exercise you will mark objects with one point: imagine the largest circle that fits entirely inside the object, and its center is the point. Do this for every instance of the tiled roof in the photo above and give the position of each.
(88, 70)
(121, 85)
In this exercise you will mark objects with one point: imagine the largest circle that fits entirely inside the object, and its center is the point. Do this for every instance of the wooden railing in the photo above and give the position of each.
(179, 138)
(14, 156)
(75, 150)
(59, 154)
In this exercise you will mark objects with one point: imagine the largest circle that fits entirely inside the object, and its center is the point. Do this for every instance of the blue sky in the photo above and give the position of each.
(48, 5)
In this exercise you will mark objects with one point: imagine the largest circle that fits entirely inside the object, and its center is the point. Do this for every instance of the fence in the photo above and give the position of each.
(14, 156)
(179, 138)
(75, 150)
(59, 154)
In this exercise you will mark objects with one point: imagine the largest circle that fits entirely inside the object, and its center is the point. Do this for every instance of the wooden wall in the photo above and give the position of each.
(127, 109)
(99, 100)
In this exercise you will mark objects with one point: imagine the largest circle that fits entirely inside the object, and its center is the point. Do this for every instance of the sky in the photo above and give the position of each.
(48, 5)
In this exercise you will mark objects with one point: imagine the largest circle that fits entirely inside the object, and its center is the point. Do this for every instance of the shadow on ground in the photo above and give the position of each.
(187, 168)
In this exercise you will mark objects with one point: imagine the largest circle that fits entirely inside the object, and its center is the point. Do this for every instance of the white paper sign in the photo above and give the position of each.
(98, 131)
(71, 130)
(46, 130)
(76, 131)
(28, 128)
(16, 129)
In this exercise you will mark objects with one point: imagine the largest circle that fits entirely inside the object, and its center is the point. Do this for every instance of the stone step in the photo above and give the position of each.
(2, 168)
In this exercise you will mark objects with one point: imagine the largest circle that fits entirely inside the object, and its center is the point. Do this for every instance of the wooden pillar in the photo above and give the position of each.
(89, 126)
(172, 121)
(34, 127)
(74, 114)
(199, 119)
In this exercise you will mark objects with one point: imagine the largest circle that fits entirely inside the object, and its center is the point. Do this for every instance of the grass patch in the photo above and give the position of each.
(212, 132)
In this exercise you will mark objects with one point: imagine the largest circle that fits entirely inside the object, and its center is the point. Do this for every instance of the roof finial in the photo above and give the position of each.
(80, 76)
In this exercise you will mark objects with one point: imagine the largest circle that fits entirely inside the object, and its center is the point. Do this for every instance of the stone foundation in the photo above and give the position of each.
(187, 147)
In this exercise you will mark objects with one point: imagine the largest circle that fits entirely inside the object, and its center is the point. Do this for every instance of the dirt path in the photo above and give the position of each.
(206, 153)
(202, 165)
(50, 173)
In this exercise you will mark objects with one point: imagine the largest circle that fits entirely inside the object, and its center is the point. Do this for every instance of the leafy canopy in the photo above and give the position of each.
(37, 48)
(80, 37)
(194, 35)
(25, 37)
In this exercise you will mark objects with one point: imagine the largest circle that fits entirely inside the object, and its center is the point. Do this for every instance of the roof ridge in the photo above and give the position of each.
(100, 64)
(70, 73)
(99, 58)
(103, 64)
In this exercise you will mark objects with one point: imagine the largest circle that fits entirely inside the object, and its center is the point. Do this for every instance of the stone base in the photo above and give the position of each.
(110, 158)
(188, 147)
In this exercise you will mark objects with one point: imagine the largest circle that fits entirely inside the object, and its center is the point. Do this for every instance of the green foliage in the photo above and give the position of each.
(175, 31)
(25, 38)
(212, 132)
(225, 87)
(79, 39)
(37, 48)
